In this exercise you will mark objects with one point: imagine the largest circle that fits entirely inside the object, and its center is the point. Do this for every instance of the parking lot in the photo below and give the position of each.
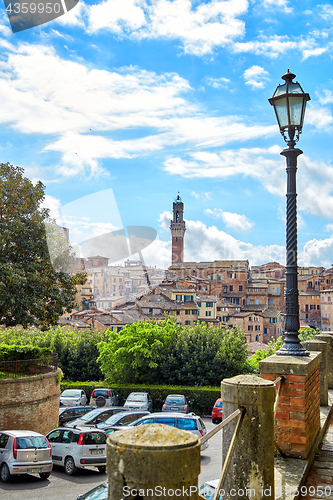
(61, 486)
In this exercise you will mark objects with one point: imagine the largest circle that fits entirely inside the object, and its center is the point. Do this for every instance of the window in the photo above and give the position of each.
(306, 316)
(265, 330)
(329, 298)
(257, 327)
(194, 311)
(178, 313)
(199, 303)
(270, 302)
(97, 281)
(118, 329)
(187, 311)
(312, 306)
(211, 277)
(208, 313)
(3, 440)
(277, 289)
(209, 304)
(240, 288)
(225, 318)
(187, 322)
(219, 278)
(195, 322)
(231, 288)
(179, 298)
(110, 304)
(232, 275)
(187, 298)
(250, 328)
(257, 338)
(257, 301)
(327, 281)
(247, 301)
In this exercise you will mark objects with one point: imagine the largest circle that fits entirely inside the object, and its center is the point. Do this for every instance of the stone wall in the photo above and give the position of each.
(30, 403)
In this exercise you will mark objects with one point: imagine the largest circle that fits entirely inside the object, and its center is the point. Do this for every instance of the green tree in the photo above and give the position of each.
(136, 352)
(308, 333)
(163, 352)
(260, 354)
(32, 292)
(204, 356)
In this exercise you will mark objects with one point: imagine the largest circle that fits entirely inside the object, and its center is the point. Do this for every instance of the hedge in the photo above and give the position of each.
(23, 352)
(201, 399)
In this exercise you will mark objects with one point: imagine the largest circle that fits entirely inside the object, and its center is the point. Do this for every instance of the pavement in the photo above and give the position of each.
(319, 483)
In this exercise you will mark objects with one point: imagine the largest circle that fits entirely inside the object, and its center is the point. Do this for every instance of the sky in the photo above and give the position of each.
(118, 105)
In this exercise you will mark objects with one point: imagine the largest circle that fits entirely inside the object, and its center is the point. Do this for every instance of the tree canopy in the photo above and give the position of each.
(32, 291)
(164, 352)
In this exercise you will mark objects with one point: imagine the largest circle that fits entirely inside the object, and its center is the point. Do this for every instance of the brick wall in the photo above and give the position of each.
(297, 420)
(30, 403)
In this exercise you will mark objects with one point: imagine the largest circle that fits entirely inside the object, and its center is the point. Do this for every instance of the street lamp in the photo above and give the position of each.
(289, 101)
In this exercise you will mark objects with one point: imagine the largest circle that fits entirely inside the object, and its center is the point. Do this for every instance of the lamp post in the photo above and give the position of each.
(289, 101)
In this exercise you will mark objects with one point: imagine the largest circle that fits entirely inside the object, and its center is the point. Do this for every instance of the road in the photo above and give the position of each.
(59, 486)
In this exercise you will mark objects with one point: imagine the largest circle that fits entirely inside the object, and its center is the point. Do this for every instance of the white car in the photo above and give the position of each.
(24, 452)
(73, 397)
(78, 448)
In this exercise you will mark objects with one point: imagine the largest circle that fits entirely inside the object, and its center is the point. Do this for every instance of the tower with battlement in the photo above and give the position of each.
(178, 229)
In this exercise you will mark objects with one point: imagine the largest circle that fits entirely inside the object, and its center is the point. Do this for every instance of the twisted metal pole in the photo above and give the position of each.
(292, 345)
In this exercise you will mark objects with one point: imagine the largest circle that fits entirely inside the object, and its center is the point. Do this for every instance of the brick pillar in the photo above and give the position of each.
(297, 420)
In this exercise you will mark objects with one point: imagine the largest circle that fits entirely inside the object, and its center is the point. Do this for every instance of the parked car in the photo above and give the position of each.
(217, 412)
(73, 397)
(95, 416)
(122, 418)
(187, 422)
(139, 401)
(103, 397)
(69, 413)
(98, 493)
(176, 402)
(24, 452)
(208, 489)
(77, 448)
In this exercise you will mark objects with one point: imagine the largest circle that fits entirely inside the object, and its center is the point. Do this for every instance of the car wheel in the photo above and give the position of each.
(44, 475)
(100, 401)
(70, 467)
(4, 473)
(213, 421)
(102, 469)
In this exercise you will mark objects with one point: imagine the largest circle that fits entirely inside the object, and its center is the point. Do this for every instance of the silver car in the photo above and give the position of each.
(73, 397)
(24, 452)
(78, 448)
(139, 401)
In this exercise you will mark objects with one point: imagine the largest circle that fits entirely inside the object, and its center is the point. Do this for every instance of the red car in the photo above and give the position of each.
(217, 413)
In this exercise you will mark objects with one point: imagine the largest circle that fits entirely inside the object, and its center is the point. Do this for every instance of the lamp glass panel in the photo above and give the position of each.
(282, 89)
(295, 109)
(294, 88)
(280, 106)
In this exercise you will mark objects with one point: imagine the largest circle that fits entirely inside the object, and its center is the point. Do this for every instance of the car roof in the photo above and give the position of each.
(64, 408)
(78, 429)
(20, 433)
(173, 395)
(172, 414)
(102, 389)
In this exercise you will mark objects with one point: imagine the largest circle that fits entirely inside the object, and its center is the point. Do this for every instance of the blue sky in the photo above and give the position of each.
(130, 101)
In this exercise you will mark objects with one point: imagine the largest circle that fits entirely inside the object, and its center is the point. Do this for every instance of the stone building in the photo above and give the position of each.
(178, 229)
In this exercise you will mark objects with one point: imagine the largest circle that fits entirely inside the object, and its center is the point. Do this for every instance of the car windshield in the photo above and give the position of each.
(99, 493)
(175, 399)
(219, 404)
(23, 443)
(137, 397)
(70, 393)
(115, 418)
(91, 414)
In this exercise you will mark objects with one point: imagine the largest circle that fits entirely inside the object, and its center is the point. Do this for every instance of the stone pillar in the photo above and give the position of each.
(319, 345)
(328, 338)
(153, 461)
(297, 420)
(251, 470)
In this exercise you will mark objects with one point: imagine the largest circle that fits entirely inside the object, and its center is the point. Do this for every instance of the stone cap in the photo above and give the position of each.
(290, 365)
(248, 390)
(156, 436)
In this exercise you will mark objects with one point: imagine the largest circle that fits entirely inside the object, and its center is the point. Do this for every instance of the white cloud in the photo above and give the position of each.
(329, 227)
(317, 252)
(326, 11)
(313, 52)
(283, 4)
(267, 167)
(256, 77)
(53, 204)
(318, 116)
(200, 27)
(217, 83)
(203, 243)
(232, 220)
(204, 196)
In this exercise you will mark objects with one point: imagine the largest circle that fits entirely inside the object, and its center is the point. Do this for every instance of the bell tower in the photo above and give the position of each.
(178, 229)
